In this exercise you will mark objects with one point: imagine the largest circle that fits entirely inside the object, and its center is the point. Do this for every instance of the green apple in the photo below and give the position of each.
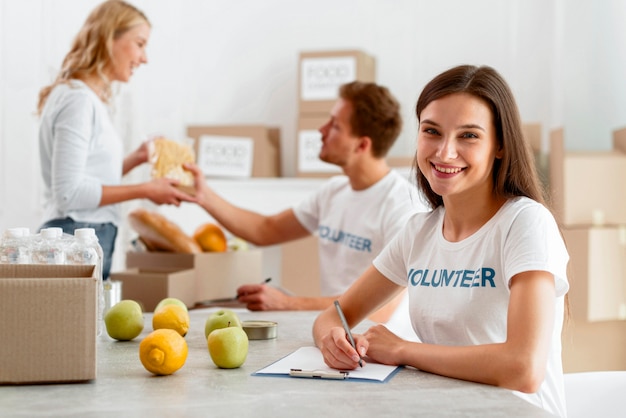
(238, 244)
(124, 321)
(221, 319)
(228, 347)
(171, 301)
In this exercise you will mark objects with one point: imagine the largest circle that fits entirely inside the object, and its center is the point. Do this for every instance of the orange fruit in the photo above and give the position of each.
(210, 237)
(173, 317)
(163, 351)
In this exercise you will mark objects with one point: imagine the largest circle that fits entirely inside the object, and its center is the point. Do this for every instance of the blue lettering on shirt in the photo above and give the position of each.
(344, 238)
(482, 277)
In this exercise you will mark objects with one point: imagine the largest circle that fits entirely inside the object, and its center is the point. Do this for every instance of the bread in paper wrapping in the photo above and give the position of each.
(167, 158)
(160, 234)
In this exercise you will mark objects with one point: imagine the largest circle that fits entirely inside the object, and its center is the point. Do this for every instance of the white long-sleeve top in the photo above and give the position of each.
(80, 151)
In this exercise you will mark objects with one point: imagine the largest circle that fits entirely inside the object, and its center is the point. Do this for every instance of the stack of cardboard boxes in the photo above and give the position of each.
(320, 76)
(589, 202)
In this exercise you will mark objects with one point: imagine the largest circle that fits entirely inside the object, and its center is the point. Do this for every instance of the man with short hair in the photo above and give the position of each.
(354, 215)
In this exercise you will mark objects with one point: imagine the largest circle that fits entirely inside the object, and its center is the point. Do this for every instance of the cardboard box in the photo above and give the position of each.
(48, 323)
(619, 140)
(237, 151)
(300, 266)
(150, 286)
(217, 275)
(308, 149)
(532, 134)
(586, 187)
(322, 73)
(597, 272)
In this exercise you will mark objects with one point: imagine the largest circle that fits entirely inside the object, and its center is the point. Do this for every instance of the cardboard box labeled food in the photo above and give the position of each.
(321, 73)
(217, 275)
(149, 286)
(237, 151)
(48, 323)
(308, 149)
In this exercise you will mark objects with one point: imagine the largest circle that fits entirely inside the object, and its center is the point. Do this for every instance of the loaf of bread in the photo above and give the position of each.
(167, 158)
(160, 234)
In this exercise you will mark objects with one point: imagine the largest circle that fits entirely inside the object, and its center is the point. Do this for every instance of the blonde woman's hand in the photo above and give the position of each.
(163, 191)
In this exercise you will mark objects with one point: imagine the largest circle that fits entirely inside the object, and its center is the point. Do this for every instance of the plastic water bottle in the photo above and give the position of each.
(49, 249)
(86, 250)
(14, 248)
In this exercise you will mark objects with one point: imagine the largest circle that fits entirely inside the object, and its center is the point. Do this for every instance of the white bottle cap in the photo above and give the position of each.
(15, 232)
(84, 232)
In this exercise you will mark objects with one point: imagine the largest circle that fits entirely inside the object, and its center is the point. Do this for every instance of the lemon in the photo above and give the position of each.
(171, 317)
(170, 301)
(163, 351)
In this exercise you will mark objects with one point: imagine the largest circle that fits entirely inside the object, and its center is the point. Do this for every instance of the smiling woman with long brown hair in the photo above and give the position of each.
(485, 270)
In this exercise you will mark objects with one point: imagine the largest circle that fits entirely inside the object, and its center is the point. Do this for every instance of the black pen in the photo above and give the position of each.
(347, 329)
(225, 300)
(269, 279)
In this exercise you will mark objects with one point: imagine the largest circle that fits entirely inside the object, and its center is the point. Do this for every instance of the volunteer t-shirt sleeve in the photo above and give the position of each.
(535, 243)
(307, 212)
(399, 210)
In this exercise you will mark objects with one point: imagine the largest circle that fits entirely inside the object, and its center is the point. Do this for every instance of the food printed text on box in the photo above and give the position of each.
(225, 156)
(321, 77)
(310, 142)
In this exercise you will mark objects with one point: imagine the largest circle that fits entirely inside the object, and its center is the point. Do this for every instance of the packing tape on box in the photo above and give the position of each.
(260, 330)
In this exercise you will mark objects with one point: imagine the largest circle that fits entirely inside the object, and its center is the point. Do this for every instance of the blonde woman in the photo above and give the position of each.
(81, 153)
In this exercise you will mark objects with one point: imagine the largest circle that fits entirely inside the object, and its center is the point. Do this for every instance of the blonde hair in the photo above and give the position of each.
(91, 49)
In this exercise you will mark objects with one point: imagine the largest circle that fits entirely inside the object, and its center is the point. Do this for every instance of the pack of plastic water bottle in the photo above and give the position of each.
(52, 246)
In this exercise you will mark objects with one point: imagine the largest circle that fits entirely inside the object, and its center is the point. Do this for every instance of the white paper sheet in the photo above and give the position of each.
(310, 358)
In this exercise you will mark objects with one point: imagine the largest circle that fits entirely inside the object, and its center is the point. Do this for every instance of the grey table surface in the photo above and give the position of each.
(199, 389)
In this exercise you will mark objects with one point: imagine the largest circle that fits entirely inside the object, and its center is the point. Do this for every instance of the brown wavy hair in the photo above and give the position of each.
(91, 49)
(376, 114)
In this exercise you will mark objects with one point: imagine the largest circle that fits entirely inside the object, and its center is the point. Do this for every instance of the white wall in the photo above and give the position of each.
(235, 61)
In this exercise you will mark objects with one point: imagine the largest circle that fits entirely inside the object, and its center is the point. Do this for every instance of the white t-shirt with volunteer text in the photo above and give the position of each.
(354, 226)
(459, 291)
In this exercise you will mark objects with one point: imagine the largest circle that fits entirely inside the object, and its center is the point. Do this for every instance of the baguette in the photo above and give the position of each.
(160, 234)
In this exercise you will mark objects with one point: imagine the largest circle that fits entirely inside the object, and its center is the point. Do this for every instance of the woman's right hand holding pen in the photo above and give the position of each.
(338, 352)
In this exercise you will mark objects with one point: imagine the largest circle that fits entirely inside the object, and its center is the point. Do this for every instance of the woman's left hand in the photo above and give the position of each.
(142, 153)
(382, 345)
(140, 156)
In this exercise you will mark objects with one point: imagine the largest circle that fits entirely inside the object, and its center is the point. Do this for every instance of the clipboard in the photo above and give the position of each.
(308, 362)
